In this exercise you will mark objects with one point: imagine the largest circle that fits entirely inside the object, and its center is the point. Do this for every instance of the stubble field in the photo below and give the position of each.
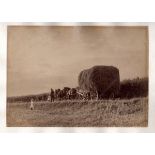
(78, 113)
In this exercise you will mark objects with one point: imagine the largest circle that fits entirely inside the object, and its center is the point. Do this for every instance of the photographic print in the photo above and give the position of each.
(77, 76)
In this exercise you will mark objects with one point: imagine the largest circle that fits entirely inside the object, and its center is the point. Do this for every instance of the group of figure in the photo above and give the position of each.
(68, 94)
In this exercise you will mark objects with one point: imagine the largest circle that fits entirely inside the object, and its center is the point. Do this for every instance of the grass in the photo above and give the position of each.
(102, 113)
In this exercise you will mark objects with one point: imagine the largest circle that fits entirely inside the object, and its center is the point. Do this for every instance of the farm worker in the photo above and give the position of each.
(52, 95)
(32, 105)
(49, 98)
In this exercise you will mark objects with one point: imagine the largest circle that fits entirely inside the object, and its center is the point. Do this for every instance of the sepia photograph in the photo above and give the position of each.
(77, 76)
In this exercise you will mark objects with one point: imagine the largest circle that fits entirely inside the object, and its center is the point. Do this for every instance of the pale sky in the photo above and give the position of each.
(44, 57)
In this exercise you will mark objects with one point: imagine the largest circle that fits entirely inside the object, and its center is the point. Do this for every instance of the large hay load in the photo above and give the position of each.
(102, 80)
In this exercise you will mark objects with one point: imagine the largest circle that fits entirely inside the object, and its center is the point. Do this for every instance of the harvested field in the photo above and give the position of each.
(101, 113)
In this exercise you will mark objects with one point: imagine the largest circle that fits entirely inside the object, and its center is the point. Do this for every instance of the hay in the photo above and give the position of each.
(104, 80)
